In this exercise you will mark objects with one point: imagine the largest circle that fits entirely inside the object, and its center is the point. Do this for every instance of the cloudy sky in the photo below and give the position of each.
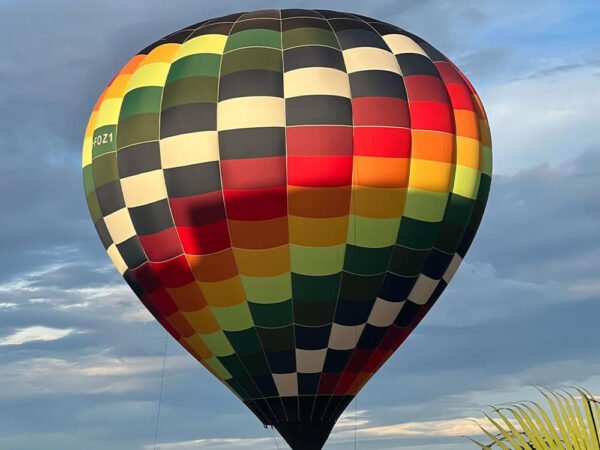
(81, 360)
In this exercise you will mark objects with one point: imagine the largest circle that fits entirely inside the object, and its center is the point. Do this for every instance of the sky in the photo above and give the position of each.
(81, 359)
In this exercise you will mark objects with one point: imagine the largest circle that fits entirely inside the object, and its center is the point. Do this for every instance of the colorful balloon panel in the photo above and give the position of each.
(288, 192)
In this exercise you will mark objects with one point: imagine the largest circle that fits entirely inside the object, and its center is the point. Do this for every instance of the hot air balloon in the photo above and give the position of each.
(288, 192)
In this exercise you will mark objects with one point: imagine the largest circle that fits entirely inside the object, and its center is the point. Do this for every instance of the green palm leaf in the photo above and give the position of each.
(569, 422)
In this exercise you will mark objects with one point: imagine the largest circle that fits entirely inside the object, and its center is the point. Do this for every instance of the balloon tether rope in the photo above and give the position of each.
(356, 396)
(160, 395)
(355, 416)
(275, 437)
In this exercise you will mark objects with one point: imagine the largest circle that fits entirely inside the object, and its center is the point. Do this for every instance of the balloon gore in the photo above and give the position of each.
(288, 192)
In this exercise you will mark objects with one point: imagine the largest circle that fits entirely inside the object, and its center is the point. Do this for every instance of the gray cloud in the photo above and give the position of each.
(549, 216)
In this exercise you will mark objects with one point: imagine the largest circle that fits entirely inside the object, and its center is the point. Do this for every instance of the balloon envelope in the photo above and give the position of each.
(288, 192)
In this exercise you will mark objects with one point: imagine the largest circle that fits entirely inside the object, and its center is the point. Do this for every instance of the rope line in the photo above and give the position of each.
(355, 416)
(275, 437)
(355, 398)
(160, 395)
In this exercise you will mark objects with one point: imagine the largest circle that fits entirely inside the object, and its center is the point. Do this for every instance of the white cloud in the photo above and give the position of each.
(217, 444)
(452, 427)
(36, 301)
(351, 418)
(114, 300)
(269, 444)
(465, 426)
(36, 334)
(6, 305)
(86, 375)
(587, 287)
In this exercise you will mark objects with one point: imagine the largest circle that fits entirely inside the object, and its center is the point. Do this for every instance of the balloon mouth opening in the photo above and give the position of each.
(305, 435)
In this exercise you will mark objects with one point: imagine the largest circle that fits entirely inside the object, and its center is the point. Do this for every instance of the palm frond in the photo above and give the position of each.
(569, 422)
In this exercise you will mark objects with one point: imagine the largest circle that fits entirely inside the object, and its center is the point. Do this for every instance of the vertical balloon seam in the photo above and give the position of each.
(287, 205)
(393, 325)
(239, 19)
(442, 281)
(437, 244)
(272, 416)
(354, 219)
(262, 415)
(165, 40)
(253, 328)
(451, 181)
(179, 338)
(294, 294)
(355, 187)
(292, 49)
(358, 384)
(293, 325)
(263, 397)
(287, 220)
(465, 230)
(94, 201)
(92, 197)
(94, 177)
(479, 174)
(350, 389)
(341, 406)
(485, 179)
(484, 123)
(340, 398)
(210, 307)
(483, 193)
(408, 184)
(146, 52)
(475, 218)
(232, 379)
(85, 152)
(234, 382)
(143, 250)
(88, 179)
(208, 366)
(231, 383)
(410, 326)
(304, 124)
(337, 411)
(161, 105)
(122, 94)
(346, 245)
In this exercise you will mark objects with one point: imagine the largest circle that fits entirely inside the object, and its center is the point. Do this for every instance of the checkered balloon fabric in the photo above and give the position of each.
(288, 192)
